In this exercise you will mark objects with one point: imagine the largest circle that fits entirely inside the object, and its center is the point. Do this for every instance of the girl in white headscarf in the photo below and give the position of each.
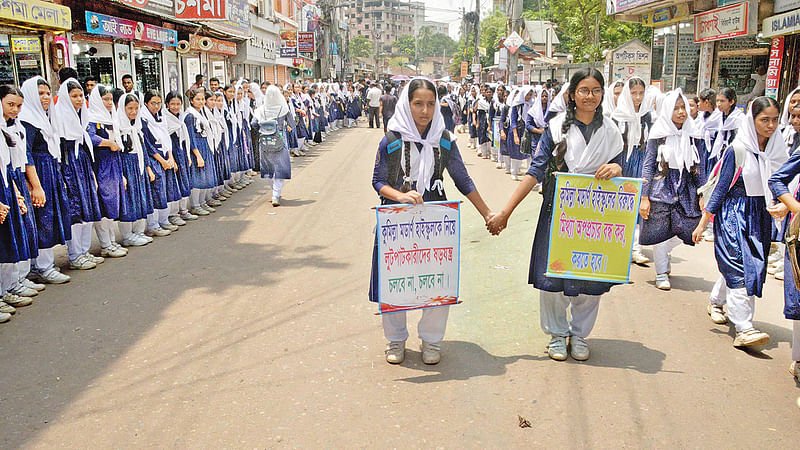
(788, 131)
(420, 162)
(108, 168)
(613, 92)
(271, 119)
(179, 135)
(221, 125)
(482, 106)
(472, 100)
(204, 177)
(43, 172)
(534, 120)
(742, 222)
(70, 119)
(670, 206)
(519, 110)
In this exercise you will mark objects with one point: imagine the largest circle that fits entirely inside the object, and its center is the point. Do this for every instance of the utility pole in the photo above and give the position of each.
(514, 22)
(476, 57)
(375, 38)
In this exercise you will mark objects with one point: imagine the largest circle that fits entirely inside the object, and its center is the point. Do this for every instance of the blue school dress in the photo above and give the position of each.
(84, 205)
(108, 172)
(302, 128)
(202, 177)
(483, 126)
(53, 219)
(514, 150)
(30, 243)
(530, 124)
(779, 185)
(246, 150)
(164, 189)
(727, 138)
(447, 113)
(276, 164)
(473, 130)
(505, 123)
(742, 229)
(354, 108)
(674, 206)
(181, 157)
(137, 192)
(635, 158)
(13, 238)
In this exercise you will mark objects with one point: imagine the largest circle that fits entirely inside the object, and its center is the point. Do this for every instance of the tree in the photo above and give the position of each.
(404, 45)
(360, 47)
(493, 28)
(427, 44)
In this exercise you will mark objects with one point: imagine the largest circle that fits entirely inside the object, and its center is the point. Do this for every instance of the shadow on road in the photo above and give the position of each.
(621, 354)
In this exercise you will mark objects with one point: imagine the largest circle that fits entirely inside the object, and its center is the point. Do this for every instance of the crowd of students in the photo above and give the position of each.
(710, 172)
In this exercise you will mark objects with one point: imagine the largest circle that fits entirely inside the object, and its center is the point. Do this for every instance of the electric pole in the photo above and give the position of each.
(476, 57)
(514, 8)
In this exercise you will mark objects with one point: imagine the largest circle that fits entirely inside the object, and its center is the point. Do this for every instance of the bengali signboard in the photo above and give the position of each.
(616, 6)
(774, 68)
(781, 24)
(631, 59)
(164, 7)
(104, 25)
(26, 44)
(464, 69)
(237, 18)
(666, 16)
(305, 42)
(592, 227)
(785, 5)
(722, 23)
(36, 12)
(419, 253)
(288, 43)
(200, 9)
(217, 45)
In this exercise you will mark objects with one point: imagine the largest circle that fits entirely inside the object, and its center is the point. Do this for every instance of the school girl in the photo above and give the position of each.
(482, 122)
(559, 103)
(179, 135)
(246, 151)
(742, 224)
(202, 168)
(613, 91)
(670, 207)
(43, 172)
(472, 98)
(725, 122)
(272, 119)
(220, 125)
(519, 111)
(70, 120)
(418, 123)
(448, 109)
(593, 146)
(353, 108)
(534, 120)
(107, 145)
(505, 124)
(158, 149)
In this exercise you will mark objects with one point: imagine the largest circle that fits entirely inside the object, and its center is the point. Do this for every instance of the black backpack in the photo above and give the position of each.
(394, 143)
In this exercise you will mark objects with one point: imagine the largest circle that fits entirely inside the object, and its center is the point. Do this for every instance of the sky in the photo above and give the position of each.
(449, 11)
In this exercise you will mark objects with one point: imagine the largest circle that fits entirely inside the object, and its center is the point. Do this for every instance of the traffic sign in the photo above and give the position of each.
(513, 42)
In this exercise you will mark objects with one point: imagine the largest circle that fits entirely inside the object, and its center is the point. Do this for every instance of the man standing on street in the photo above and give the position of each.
(388, 102)
(374, 102)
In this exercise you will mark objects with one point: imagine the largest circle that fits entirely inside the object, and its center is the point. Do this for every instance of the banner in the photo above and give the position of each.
(200, 9)
(288, 44)
(496, 134)
(305, 42)
(592, 228)
(104, 25)
(722, 23)
(36, 12)
(774, 69)
(464, 69)
(419, 249)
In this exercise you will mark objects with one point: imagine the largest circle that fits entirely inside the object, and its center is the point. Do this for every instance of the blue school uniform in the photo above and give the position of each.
(635, 152)
(137, 191)
(276, 164)
(108, 172)
(30, 244)
(53, 219)
(447, 113)
(674, 206)
(505, 123)
(727, 138)
(181, 156)
(473, 130)
(530, 124)
(202, 177)
(483, 126)
(302, 128)
(742, 229)
(246, 149)
(779, 185)
(518, 124)
(354, 108)
(13, 238)
(380, 178)
(540, 251)
(84, 205)
(164, 189)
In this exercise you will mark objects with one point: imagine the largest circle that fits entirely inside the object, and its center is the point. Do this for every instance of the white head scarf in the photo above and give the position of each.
(274, 105)
(787, 130)
(629, 119)
(131, 129)
(158, 128)
(18, 149)
(259, 96)
(609, 104)
(66, 122)
(558, 104)
(756, 170)
(730, 123)
(33, 113)
(402, 122)
(536, 111)
(175, 124)
(585, 158)
(526, 105)
(243, 105)
(678, 150)
(98, 113)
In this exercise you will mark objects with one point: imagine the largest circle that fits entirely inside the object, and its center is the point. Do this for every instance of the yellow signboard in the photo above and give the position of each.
(666, 16)
(26, 45)
(36, 12)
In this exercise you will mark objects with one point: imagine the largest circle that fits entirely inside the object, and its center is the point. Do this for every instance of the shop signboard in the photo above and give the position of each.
(786, 23)
(117, 27)
(785, 5)
(464, 69)
(476, 68)
(288, 44)
(617, 6)
(705, 65)
(122, 61)
(722, 23)
(200, 9)
(236, 19)
(164, 7)
(305, 42)
(211, 45)
(513, 42)
(666, 16)
(26, 44)
(774, 68)
(36, 12)
(631, 59)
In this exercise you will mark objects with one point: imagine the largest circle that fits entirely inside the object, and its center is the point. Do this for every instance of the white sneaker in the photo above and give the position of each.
(639, 258)
(557, 348)
(95, 259)
(82, 263)
(775, 254)
(177, 220)
(579, 349)
(779, 275)
(395, 352)
(662, 282)
(188, 216)
(143, 237)
(717, 314)
(23, 291)
(16, 301)
(157, 232)
(51, 276)
(498, 165)
(31, 285)
(431, 352)
(750, 338)
(112, 252)
(514, 178)
(5, 308)
(5, 317)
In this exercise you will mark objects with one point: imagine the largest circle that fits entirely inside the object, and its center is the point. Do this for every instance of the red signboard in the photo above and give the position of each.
(774, 69)
(464, 69)
(305, 42)
(722, 23)
(200, 9)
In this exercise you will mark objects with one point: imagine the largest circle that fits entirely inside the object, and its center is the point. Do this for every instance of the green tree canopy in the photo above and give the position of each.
(360, 47)
(427, 44)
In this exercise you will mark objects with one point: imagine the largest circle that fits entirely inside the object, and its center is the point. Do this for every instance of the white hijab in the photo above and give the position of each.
(259, 96)
(787, 130)
(131, 129)
(18, 150)
(526, 105)
(630, 120)
(243, 105)
(731, 123)
(273, 106)
(175, 124)
(756, 170)
(402, 122)
(158, 128)
(33, 113)
(582, 158)
(678, 150)
(536, 111)
(609, 104)
(98, 113)
(558, 104)
(66, 122)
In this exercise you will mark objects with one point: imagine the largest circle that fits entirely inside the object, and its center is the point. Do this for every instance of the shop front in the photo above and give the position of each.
(256, 57)
(207, 56)
(30, 39)
(783, 67)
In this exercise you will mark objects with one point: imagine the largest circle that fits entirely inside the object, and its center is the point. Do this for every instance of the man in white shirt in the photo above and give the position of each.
(759, 88)
(374, 102)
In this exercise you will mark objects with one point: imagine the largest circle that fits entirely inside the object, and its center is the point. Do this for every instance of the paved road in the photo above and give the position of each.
(251, 329)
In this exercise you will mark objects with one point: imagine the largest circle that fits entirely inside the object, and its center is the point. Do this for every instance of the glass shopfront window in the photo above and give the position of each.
(668, 41)
(96, 60)
(148, 70)
(739, 59)
(6, 61)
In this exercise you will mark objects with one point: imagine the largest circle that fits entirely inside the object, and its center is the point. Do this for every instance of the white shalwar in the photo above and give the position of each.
(431, 326)
(553, 313)
(741, 307)
(661, 254)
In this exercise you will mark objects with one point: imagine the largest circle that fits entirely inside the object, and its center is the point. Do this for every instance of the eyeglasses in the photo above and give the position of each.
(584, 92)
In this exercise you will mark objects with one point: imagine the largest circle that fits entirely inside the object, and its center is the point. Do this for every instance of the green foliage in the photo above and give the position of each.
(493, 28)
(360, 47)
(404, 45)
(428, 44)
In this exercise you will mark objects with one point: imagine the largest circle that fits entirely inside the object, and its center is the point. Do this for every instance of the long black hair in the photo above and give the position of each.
(418, 83)
(573, 87)
(762, 103)
(7, 89)
(151, 94)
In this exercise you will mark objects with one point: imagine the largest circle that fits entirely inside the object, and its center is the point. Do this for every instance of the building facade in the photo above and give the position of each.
(382, 20)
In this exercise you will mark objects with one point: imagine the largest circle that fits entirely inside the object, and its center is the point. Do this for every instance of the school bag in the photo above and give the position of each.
(269, 137)
(707, 189)
(394, 142)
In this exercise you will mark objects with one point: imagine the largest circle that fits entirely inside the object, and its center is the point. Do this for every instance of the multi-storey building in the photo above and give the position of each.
(384, 20)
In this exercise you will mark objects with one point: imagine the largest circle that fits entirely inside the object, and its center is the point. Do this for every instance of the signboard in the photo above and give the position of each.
(592, 228)
(418, 255)
(512, 42)
(236, 19)
(464, 69)
(217, 45)
(36, 12)
(305, 42)
(288, 44)
(502, 61)
(631, 59)
(616, 6)
(781, 24)
(774, 68)
(104, 25)
(165, 7)
(706, 65)
(200, 9)
(26, 44)
(721, 23)
(785, 5)
(666, 16)
(496, 135)
(122, 61)
(476, 68)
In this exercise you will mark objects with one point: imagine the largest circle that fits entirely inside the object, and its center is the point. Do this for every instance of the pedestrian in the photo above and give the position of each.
(613, 91)
(482, 122)
(495, 112)
(43, 172)
(418, 133)
(724, 123)
(588, 143)
(373, 101)
(179, 136)
(519, 111)
(742, 225)
(200, 138)
(470, 113)
(70, 120)
(670, 206)
(272, 119)
(353, 108)
(388, 103)
(534, 119)
(505, 124)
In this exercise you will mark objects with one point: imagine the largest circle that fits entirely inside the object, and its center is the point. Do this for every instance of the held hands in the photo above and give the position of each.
(23, 208)
(496, 223)
(644, 208)
(115, 147)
